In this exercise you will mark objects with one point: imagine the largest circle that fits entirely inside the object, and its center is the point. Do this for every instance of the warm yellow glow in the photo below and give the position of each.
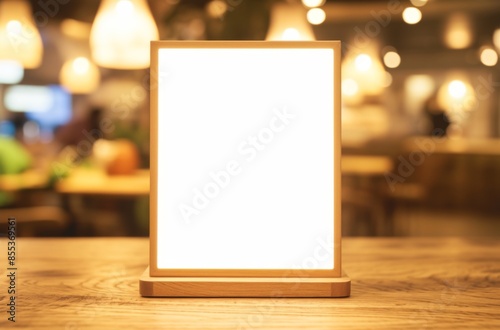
(19, 37)
(216, 8)
(392, 59)
(351, 94)
(457, 97)
(458, 32)
(80, 65)
(313, 3)
(387, 81)
(458, 39)
(496, 38)
(14, 27)
(124, 7)
(457, 89)
(363, 62)
(349, 87)
(419, 87)
(366, 70)
(418, 90)
(75, 29)
(316, 16)
(419, 3)
(79, 76)
(290, 34)
(121, 34)
(288, 22)
(489, 56)
(412, 15)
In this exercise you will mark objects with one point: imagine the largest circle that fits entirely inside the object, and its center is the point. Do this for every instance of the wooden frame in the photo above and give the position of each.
(235, 282)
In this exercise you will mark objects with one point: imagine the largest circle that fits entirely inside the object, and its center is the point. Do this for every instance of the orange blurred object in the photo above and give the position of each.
(126, 158)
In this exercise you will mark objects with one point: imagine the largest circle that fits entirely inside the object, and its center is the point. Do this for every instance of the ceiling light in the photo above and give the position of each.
(457, 97)
(363, 62)
(458, 32)
(121, 34)
(288, 22)
(316, 16)
(392, 59)
(496, 38)
(19, 36)
(216, 8)
(419, 3)
(79, 76)
(457, 89)
(313, 3)
(387, 81)
(412, 15)
(75, 29)
(489, 56)
(349, 87)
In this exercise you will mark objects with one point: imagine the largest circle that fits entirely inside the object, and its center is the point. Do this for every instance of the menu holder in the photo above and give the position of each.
(245, 170)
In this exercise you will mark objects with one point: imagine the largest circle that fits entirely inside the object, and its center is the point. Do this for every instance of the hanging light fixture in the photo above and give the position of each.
(121, 33)
(496, 39)
(19, 37)
(458, 32)
(457, 97)
(288, 22)
(79, 76)
(366, 69)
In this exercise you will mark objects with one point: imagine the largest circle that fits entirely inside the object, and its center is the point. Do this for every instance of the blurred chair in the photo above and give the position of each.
(364, 196)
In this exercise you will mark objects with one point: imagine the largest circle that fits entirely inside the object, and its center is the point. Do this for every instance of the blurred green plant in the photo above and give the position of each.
(14, 159)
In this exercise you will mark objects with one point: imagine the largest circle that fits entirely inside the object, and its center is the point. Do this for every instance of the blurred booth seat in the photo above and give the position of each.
(451, 186)
(32, 219)
(36, 220)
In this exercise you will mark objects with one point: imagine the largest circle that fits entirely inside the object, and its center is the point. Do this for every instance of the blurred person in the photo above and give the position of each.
(436, 115)
(78, 129)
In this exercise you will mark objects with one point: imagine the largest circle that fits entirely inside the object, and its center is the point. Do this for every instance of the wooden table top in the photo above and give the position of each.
(397, 283)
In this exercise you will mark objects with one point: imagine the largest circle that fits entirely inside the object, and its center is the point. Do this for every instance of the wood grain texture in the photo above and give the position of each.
(397, 283)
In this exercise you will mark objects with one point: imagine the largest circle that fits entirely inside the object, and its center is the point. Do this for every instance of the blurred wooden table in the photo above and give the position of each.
(450, 146)
(366, 165)
(397, 283)
(30, 179)
(84, 188)
(96, 182)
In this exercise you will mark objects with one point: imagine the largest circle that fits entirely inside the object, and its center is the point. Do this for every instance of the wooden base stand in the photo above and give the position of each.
(243, 286)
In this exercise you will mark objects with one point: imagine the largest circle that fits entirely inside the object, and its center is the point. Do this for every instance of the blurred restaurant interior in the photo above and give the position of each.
(420, 108)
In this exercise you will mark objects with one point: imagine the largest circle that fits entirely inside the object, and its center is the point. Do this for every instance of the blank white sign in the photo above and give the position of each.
(245, 158)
